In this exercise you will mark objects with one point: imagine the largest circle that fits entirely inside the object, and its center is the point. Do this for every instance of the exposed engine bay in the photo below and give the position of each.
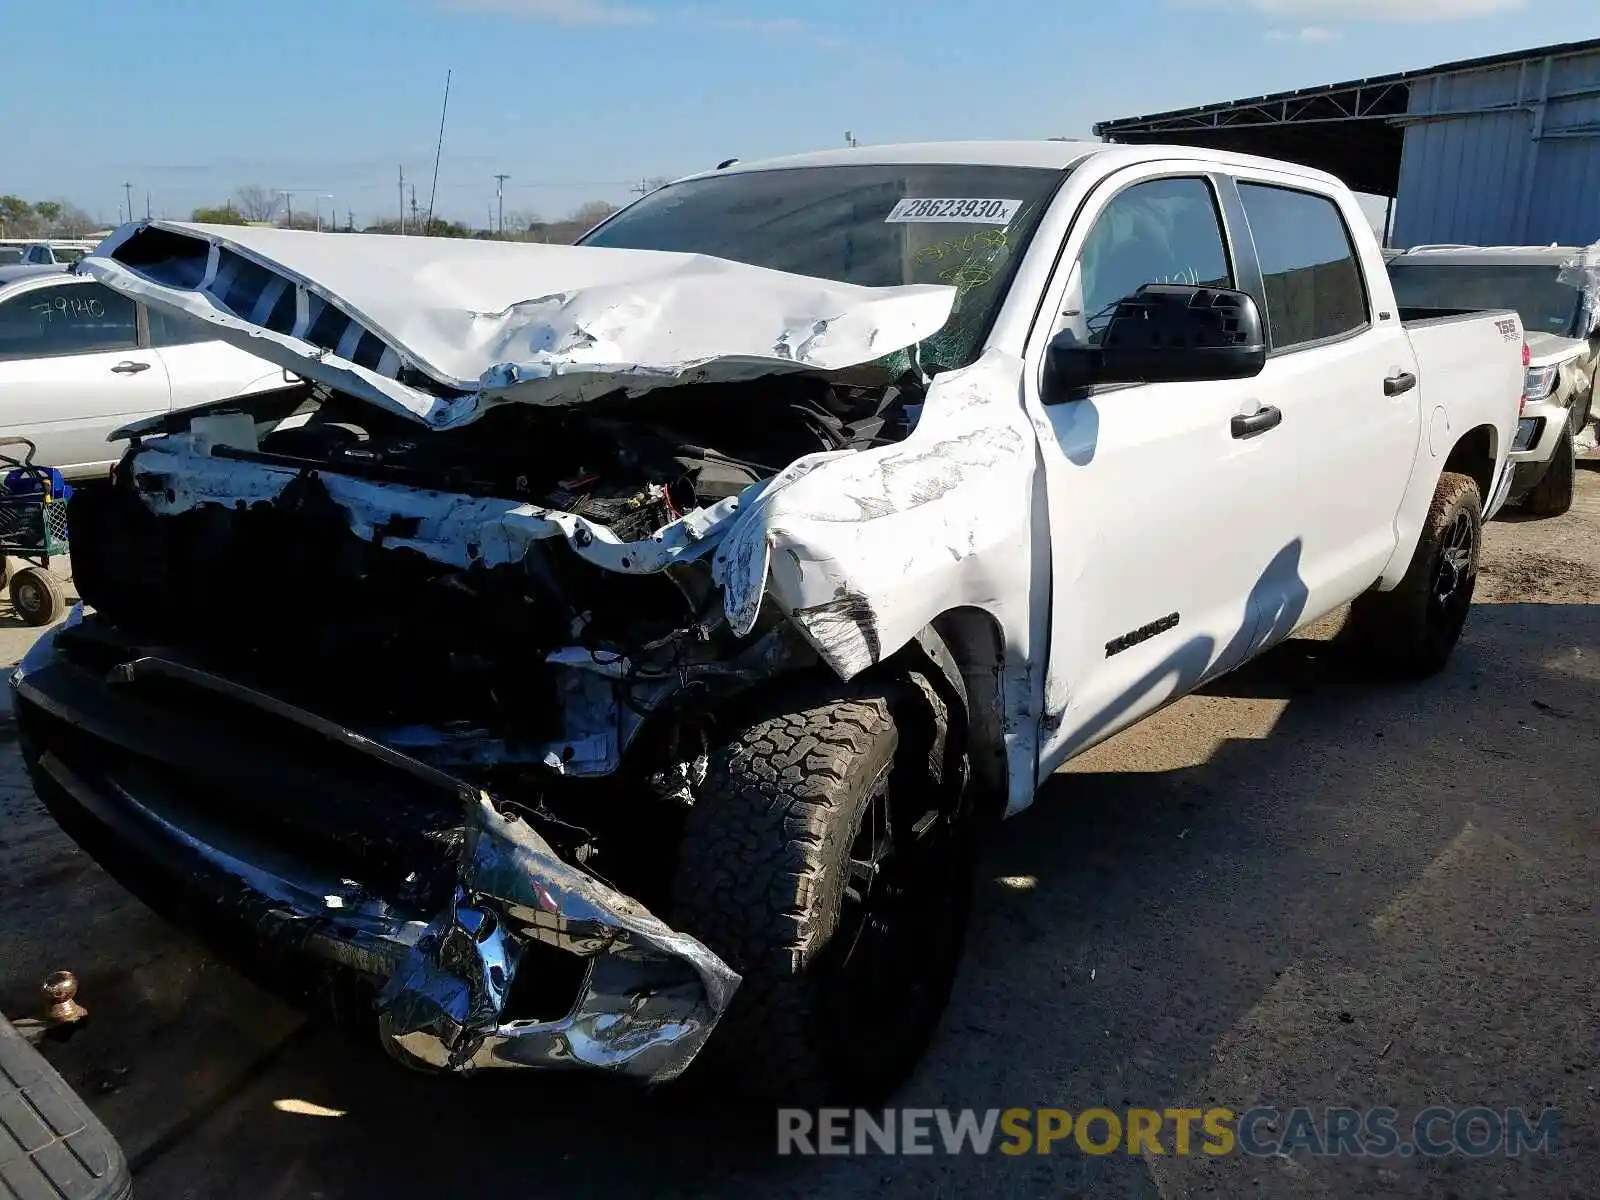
(516, 675)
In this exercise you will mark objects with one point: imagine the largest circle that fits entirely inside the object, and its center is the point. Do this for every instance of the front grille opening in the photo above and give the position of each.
(284, 790)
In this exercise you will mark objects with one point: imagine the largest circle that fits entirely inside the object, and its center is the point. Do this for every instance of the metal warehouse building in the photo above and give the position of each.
(1502, 150)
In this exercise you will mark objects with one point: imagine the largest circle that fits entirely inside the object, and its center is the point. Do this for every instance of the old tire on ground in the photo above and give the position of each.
(1552, 495)
(1411, 631)
(824, 862)
(37, 596)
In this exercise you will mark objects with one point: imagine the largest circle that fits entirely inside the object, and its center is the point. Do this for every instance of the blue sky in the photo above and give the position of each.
(575, 98)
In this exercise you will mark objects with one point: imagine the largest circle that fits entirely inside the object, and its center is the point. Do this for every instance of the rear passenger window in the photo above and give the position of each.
(177, 329)
(1308, 262)
(72, 318)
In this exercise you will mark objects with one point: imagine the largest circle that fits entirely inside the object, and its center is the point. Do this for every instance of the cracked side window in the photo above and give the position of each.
(1161, 231)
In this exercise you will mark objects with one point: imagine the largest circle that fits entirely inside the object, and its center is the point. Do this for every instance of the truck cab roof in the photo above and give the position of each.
(1060, 154)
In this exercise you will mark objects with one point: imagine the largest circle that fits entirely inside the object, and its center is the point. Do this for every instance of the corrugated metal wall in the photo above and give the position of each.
(1504, 155)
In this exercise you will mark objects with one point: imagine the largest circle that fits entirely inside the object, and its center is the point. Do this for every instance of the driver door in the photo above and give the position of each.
(1160, 559)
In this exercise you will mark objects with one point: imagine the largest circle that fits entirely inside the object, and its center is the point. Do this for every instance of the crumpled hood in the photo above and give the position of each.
(441, 329)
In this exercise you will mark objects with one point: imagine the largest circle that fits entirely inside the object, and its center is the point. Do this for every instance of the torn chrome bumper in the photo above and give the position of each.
(648, 1003)
(132, 787)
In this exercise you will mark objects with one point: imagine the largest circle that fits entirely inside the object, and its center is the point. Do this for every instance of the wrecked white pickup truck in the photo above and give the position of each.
(612, 652)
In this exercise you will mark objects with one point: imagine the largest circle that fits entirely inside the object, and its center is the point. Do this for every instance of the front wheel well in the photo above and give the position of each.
(976, 646)
(1474, 455)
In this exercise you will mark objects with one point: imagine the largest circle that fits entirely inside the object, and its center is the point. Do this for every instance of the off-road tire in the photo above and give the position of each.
(762, 879)
(1552, 495)
(1406, 633)
(37, 596)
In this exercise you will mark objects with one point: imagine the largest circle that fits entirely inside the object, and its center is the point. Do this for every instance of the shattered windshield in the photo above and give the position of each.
(1545, 304)
(875, 225)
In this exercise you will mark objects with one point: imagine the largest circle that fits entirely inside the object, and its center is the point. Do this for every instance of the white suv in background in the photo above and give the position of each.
(52, 254)
(78, 360)
(1562, 324)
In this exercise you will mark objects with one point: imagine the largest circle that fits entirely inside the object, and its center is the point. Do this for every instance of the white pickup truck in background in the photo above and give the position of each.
(739, 563)
(1556, 291)
(77, 360)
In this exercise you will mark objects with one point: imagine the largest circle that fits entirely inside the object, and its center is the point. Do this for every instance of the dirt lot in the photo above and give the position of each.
(1297, 888)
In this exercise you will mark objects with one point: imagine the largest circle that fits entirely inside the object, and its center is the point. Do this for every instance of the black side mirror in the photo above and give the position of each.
(1164, 333)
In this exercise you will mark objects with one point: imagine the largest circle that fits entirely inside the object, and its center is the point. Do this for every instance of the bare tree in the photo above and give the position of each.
(518, 223)
(256, 203)
(72, 222)
(567, 230)
(591, 213)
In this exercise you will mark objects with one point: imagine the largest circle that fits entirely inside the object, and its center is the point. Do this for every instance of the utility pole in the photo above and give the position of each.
(288, 203)
(127, 189)
(402, 201)
(333, 213)
(349, 220)
(147, 206)
(414, 207)
(500, 199)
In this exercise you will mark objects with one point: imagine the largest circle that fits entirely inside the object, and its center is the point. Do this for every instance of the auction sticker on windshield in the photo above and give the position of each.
(971, 212)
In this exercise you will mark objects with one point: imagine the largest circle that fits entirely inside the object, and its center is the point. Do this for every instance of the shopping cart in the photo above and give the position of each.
(33, 527)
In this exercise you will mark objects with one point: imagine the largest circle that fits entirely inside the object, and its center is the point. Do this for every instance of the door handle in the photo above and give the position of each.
(129, 367)
(1399, 385)
(1257, 423)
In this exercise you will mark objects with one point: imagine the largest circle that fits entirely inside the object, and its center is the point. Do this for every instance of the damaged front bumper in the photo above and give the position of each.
(152, 799)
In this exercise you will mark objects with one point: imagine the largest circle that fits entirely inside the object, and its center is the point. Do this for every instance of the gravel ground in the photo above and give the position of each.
(1296, 888)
